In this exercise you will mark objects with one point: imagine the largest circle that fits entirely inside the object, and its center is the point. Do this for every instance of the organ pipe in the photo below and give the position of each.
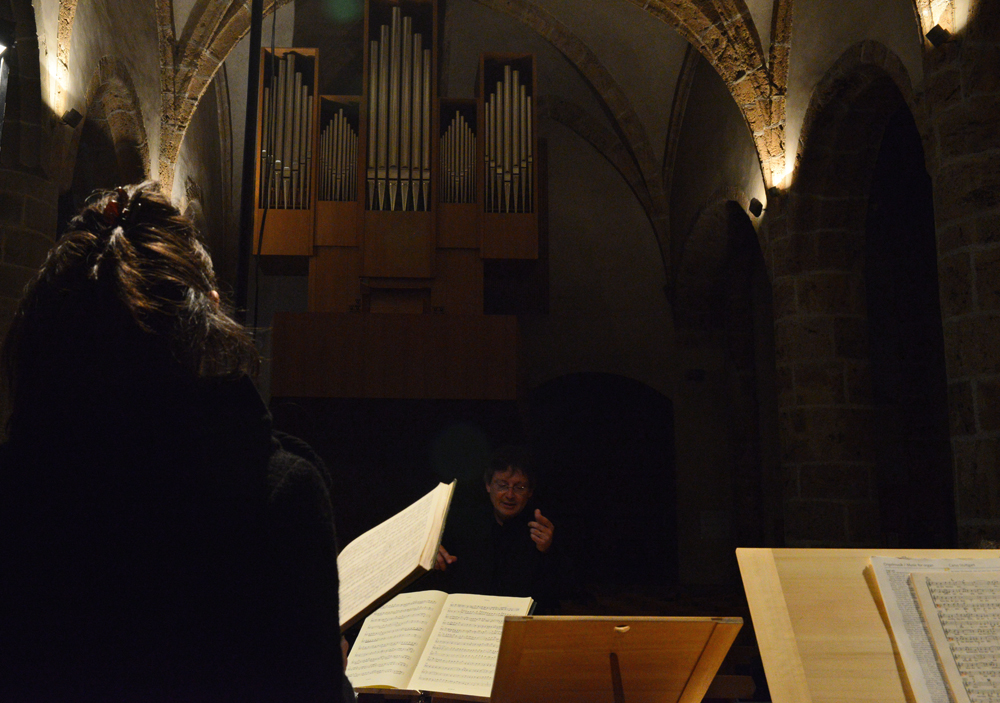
(508, 157)
(458, 162)
(338, 156)
(399, 92)
(286, 149)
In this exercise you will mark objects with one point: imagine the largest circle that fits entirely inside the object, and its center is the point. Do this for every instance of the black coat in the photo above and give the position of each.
(161, 546)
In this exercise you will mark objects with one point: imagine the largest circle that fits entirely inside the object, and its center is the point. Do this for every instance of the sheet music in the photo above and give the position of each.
(391, 640)
(379, 559)
(963, 616)
(908, 630)
(461, 655)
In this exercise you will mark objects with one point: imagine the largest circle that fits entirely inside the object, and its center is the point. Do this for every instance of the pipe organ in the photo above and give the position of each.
(401, 201)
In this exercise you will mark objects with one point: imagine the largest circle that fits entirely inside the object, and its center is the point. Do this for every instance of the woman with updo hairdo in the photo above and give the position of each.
(158, 541)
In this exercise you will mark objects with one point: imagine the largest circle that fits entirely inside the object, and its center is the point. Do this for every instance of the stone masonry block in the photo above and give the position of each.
(987, 278)
(976, 479)
(973, 186)
(820, 383)
(988, 229)
(838, 250)
(13, 279)
(802, 339)
(11, 208)
(840, 481)
(851, 337)
(830, 293)
(970, 128)
(955, 281)
(783, 297)
(863, 522)
(41, 217)
(785, 386)
(23, 247)
(961, 409)
(988, 404)
(813, 521)
(858, 381)
(955, 236)
(980, 69)
(971, 344)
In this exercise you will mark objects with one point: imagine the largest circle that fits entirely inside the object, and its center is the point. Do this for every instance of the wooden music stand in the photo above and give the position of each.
(821, 636)
(554, 659)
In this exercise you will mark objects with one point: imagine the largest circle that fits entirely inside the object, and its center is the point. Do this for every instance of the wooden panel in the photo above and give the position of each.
(398, 244)
(819, 629)
(509, 236)
(334, 279)
(458, 285)
(331, 355)
(337, 223)
(286, 232)
(458, 226)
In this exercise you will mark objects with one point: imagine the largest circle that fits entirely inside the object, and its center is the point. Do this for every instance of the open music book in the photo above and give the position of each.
(383, 560)
(944, 615)
(432, 642)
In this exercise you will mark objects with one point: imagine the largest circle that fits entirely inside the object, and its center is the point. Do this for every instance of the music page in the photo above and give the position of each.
(461, 655)
(382, 558)
(391, 640)
(962, 612)
(907, 624)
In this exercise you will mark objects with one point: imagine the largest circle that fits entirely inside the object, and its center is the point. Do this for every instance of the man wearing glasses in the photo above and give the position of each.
(506, 550)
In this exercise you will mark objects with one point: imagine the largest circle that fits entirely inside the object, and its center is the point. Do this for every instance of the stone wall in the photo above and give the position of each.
(963, 97)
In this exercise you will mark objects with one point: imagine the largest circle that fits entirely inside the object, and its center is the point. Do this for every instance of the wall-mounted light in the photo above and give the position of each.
(72, 118)
(7, 36)
(938, 35)
(755, 207)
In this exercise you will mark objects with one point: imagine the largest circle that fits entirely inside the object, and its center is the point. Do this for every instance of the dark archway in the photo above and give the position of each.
(605, 443)
(909, 386)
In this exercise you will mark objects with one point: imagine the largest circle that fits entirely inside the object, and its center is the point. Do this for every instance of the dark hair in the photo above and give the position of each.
(510, 456)
(127, 288)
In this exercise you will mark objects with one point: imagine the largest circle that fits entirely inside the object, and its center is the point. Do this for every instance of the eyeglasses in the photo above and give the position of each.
(519, 489)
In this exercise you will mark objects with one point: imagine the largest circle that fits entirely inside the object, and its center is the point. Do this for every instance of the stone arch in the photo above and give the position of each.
(821, 321)
(723, 315)
(724, 33)
(867, 66)
(212, 31)
(112, 133)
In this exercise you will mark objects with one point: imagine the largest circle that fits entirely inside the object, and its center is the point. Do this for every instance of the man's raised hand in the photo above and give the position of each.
(443, 559)
(541, 531)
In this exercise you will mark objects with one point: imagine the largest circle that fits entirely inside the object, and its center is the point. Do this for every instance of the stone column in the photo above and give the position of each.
(28, 207)
(963, 100)
(822, 359)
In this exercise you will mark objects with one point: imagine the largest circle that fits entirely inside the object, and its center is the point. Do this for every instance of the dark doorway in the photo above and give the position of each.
(606, 444)
(913, 453)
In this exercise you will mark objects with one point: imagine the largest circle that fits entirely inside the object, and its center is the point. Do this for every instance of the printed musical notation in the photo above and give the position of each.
(962, 612)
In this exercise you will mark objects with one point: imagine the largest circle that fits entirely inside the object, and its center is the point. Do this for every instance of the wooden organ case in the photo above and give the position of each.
(401, 200)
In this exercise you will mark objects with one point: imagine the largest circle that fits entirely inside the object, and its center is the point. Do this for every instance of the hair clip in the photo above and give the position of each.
(116, 207)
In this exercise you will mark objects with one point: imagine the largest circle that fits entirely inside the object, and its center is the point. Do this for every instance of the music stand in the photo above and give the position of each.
(571, 659)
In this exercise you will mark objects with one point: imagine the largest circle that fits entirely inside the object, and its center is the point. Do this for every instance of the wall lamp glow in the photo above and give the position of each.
(938, 35)
(7, 38)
